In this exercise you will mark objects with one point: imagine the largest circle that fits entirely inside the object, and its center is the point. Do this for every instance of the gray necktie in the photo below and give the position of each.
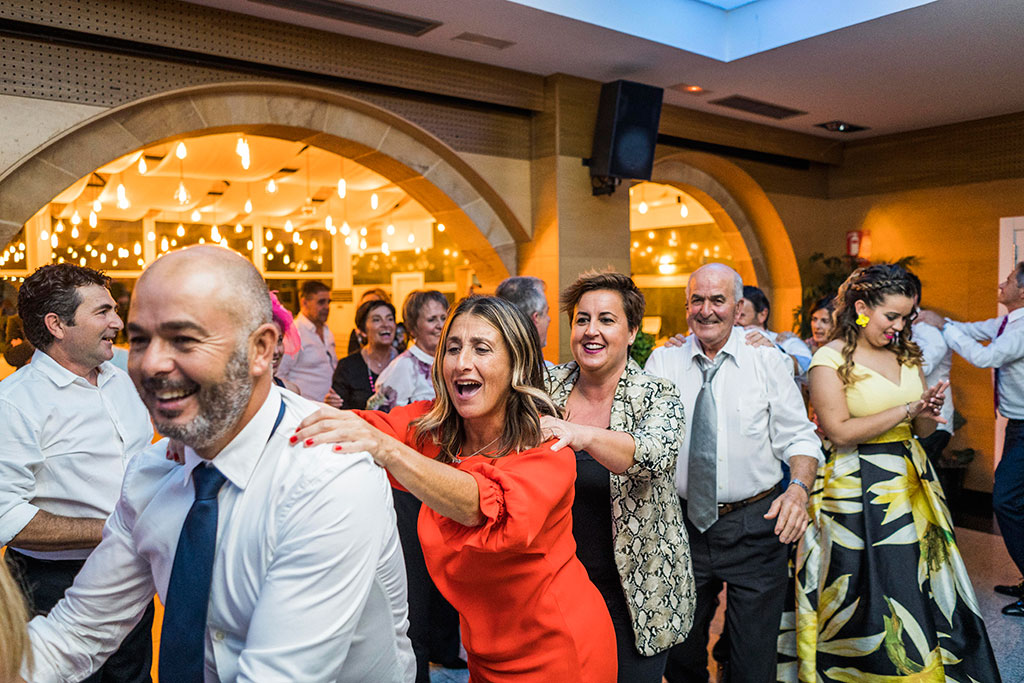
(702, 470)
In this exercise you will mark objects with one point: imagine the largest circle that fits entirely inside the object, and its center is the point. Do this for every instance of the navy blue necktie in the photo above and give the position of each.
(183, 635)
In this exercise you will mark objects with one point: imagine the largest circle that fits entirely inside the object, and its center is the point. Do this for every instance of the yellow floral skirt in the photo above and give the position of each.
(881, 592)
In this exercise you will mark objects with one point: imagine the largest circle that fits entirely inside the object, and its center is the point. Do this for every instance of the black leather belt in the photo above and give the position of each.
(726, 508)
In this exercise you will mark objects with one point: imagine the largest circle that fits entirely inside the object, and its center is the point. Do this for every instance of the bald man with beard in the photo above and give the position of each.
(273, 563)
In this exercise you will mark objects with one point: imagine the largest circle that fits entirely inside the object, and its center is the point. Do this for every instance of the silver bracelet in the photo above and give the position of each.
(907, 406)
(801, 485)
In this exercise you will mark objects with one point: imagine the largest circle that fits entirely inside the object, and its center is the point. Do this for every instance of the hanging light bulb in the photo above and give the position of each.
(313, 244)
(269, 236)
(390, 229)
(92, 219)
(271, 186)
(362, 243)
(44, 234)
(142, 165)
(248, 206)
(440, 227)
(74, 233)
(345, 228)
(180, 151)
(348, 241)
(181, 195)
(224, 242)
(684, 211)
(242, 150)
(238, 228)
(374, 201)
(137, 248)
(151, 236)
(288, 226)
(53, 240)
(384, 248)
(59, 227)
(214, 234)
(75, 218)
(329, 223)
(164, 246)
(342, 188)
(196, 216)
(110, 246)
(295, 237)
(97, 205)
(180, 232)
(362, 231)
(248, 245)
(642, 208)
(278, 247)
(412, 238)
(122, 197)
(286, 259)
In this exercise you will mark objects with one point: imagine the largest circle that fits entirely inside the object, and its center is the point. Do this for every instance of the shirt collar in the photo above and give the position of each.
(303, 321)
(237, 461)
(1016, 314)
(61, 376)
(421, 355)
(732, 345)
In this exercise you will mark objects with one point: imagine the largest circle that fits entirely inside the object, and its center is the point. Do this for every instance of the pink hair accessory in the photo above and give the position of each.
(284, 320)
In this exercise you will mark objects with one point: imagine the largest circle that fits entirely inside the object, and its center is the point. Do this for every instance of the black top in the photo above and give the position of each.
(592, 523)
(352, 381)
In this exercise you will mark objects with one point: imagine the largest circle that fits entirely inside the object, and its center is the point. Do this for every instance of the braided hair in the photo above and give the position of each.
(871, 285)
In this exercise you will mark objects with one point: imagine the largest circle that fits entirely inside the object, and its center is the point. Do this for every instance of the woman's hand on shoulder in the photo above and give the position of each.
(567, 433)
(347, 431)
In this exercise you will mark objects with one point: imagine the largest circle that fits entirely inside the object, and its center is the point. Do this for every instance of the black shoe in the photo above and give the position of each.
(1014, 591)
(1015, 609)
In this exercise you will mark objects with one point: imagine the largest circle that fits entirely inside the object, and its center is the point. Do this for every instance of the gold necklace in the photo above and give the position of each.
(479, 450)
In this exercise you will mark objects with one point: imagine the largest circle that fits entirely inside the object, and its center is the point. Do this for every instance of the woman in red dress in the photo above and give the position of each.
(496, 527)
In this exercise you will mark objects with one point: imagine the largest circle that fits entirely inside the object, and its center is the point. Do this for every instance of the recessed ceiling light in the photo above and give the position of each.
(841, 127)
(689, 89)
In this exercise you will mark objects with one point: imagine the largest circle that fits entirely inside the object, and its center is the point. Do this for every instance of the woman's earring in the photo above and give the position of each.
(862, 320)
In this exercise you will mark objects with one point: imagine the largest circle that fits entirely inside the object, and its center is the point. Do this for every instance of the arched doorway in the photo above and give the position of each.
(426, 169)
(760, 246)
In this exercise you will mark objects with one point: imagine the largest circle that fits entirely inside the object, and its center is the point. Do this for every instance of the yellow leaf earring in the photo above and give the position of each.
(862, 320)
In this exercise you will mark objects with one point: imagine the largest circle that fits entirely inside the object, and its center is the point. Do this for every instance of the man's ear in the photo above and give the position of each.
(762, 317)
(262, 345)
(55, 325)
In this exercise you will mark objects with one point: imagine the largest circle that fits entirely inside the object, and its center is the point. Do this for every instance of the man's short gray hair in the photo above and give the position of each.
(525, 292)
(736, 278)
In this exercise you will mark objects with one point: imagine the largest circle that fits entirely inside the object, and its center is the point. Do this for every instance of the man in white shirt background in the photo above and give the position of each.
(937, 363)
(527, 293)
(273, 563)
(753, 312)
(70, 422)
(1005, 353)
(745, 417)
(312, 368)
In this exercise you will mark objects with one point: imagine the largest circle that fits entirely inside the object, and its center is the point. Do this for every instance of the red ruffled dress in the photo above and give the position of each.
(528, 610)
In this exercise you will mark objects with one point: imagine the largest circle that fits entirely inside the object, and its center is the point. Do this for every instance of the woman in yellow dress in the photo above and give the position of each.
(882, 594)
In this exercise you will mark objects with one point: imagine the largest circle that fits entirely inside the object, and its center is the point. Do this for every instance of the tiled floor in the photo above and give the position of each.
(988, 564)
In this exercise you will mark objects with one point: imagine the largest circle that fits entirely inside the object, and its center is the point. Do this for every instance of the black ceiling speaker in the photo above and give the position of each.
(625, 134)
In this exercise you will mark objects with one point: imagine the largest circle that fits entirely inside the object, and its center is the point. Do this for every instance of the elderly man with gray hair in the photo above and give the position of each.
(746, 418)
(527, 294)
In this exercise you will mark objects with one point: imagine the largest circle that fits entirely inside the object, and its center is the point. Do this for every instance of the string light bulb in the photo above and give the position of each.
(345, 228)
(242, 150)
(214, 234)
(122, 197)
(180, 232)
(374, 201)
(97, 205)
(271, 186)
(151, 236)
(181, 195)
(390, 229)
(440, 227)
(342, 188)
(74, 233)
(53, 240)
(288, 227)
(59, 227)
(238, 228)
(76, 218)
(137, 248)
(196, 216)
(142, 165)
(642, 208)
(248, 206)
(313, 244)
(164, 246)
(180, 151)
(93, 219)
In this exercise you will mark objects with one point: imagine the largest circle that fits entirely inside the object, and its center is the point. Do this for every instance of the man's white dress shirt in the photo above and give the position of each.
(65, 444)
(312, 368)
(938, 361)
(1005, 353)
(792, 346)
(408, 376)
(762, 421)
(308, 579)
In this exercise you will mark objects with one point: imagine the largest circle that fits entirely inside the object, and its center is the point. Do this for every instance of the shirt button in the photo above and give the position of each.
(218, 636)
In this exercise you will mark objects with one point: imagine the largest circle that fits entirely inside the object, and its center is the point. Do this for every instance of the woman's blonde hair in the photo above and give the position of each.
(526, 400)
(871, 285)
(13, 637)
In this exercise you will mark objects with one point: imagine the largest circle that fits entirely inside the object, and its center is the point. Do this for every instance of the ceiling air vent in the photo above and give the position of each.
(362, 15)
(751, 106)
(486, 41)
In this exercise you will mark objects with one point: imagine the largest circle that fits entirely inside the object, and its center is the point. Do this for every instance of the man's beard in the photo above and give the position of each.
(220, 405)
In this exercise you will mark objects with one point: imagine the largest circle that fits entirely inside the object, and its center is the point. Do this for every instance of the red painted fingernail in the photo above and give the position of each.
(336, 448)
(309, 442)
(293, 439)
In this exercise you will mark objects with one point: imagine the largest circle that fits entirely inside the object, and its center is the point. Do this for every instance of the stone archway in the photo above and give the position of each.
(746, 216)
(428, 170)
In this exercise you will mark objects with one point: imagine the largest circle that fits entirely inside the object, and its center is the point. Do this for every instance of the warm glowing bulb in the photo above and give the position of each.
(74, 233)
(440, 227)
(53, 240)
(248, 206)
(642, 208)
(362, 244)
(342, 188)
(196, 216)
(248, 245)
(313, 244)
(684, 211)
(278, 247)
(110, 246)
(151, 236)
(271, 186)
(180, 151)
(295, 237)
(93, 219)
(164, 246)
(269, 236)
(238, 228)
(374, 201)
(97, 205)
(75, 218)
(181, 195)
(60, 227)
(345, 228)
(412, 238)
(288, 227)
(384, 248)
(137, 248)
(180, 232)
(44, 234)
(362, 231)
(214, 234)
(650, 234)
(242, 150)
(142, 166)
(390, 229)
(328, 223)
